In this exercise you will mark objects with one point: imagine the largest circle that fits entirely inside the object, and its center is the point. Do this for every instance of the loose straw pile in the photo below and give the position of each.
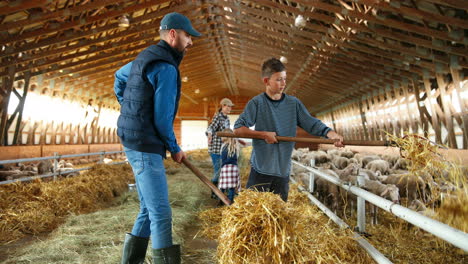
(260, 228)
(32, 208)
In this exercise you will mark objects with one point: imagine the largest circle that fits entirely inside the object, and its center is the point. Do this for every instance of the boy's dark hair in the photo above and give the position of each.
(271, 66)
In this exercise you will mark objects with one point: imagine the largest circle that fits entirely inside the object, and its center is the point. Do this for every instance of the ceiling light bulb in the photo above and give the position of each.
(300, 22)
(283, 59)
(185, 79)
(124, 22)
(197, 91)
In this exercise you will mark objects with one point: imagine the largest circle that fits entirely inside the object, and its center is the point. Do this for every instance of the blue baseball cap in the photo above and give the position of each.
(175, 20)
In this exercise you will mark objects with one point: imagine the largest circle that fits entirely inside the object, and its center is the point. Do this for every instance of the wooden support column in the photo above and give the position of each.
(370, 118)
(435, 122)
(6, 92)
(400, 125)
(27, 77)
(452, 142)
(411, 120)
(363, 121)
(95, 122)
(333, 120)
(464, 114)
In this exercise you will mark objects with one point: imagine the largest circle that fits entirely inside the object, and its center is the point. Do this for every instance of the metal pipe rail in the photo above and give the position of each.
(452, 235)
(60, 156)
(56, 157)
(373, 252)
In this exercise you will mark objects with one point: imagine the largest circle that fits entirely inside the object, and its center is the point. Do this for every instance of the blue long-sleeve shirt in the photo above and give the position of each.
(280, 116)
(163, 77)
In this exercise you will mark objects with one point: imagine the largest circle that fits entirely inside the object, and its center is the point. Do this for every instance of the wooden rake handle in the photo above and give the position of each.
(314, 140)
(205, 180)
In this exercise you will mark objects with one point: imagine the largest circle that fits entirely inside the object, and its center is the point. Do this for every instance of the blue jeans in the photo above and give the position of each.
(268, 183)
(216, 158)
(155, 216)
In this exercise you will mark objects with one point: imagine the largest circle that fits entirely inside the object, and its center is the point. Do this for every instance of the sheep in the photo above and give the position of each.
(302, 177)
(297, 169)
(401, 164)
(391, 159)
(7, 173)
(44, 167)
(297, 155)
(340, 162)
(350, 170)
(411, 187)
(333, 152)
(347, 154)
(420, 207)
(378, 165)
(354, 160)
(370, 174)
(321, 157)
(328, 191)
(387, 191)
(367, 159)
(67, 172)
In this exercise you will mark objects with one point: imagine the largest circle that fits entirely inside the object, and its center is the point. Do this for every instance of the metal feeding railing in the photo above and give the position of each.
(452, 235)
(56, 159)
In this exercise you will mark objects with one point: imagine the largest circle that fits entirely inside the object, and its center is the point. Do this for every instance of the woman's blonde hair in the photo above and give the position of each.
(231, 144)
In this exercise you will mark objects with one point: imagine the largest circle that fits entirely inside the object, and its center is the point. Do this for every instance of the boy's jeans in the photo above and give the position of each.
(155, 216)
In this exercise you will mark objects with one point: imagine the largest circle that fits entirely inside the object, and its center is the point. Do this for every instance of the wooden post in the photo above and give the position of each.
(6, 91)
(27, 77)
(363, 121)
(446, 111)
(435, 122)
(464, 115)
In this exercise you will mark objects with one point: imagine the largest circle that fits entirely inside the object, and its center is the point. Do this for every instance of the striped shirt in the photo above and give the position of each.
(280, 116)
(219, 123)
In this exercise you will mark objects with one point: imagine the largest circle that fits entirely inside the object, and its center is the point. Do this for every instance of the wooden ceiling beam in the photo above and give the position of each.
(82, 22)
(387, 22)
(134, 28)
(415, 12)
(57, 14)
(22, 5)
(361, 28)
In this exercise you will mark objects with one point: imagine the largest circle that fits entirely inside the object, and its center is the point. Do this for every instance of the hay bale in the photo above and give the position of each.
(261, 228)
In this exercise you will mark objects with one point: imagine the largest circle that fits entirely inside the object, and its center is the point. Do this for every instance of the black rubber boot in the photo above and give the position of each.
(134, 249)
(169, 255)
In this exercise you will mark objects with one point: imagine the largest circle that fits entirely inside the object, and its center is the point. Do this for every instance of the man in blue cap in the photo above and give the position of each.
(148, 90)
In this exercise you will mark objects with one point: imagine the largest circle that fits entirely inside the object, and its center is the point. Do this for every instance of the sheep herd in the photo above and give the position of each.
(384, 175)
(64, 167)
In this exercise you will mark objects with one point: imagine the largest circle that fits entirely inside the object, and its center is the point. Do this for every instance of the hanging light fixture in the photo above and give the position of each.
(124, 22)
(283, 59)
(300, 22)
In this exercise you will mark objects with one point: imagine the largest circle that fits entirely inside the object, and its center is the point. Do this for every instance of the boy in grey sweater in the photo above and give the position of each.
(275, 113)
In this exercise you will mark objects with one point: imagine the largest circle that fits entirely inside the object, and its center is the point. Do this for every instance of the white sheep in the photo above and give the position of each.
(387, 191)
(378, 165)
(340, 162)
(367, 159)
(370, 174)
(401, 164)
(410, 186)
